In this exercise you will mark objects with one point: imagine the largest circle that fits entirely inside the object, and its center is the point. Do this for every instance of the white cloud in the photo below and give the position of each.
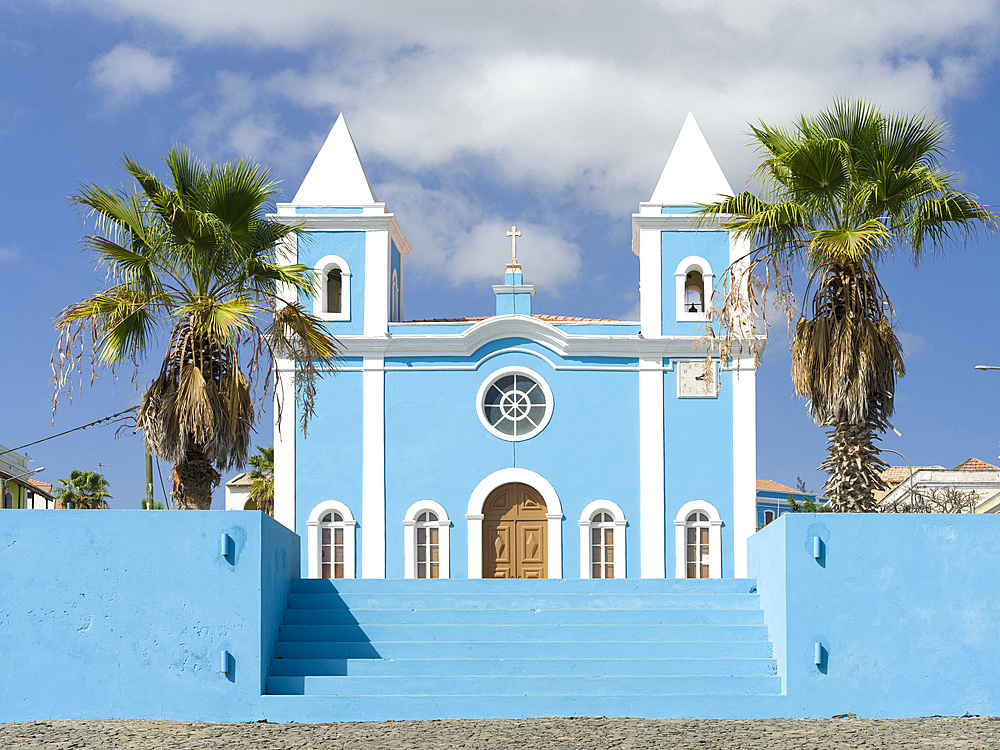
(131, 72)
(8, 254)
(913, 343)
(574, 100)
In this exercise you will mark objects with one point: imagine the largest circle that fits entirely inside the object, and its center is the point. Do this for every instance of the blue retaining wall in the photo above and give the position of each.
(124, 614)
(906, 609)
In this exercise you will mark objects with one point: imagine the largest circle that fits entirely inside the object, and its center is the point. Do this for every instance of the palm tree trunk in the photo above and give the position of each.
(196, 477)
(853, 467)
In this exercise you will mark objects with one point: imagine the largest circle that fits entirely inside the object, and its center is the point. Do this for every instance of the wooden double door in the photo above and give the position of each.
(515, 540)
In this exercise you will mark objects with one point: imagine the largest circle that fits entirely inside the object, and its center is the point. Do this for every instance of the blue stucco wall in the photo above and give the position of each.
(328, 462)
(904, 605)
(437, 448)
(124, 614)
(698, 459)
(395, 265)
(713, 246)
(351, 247)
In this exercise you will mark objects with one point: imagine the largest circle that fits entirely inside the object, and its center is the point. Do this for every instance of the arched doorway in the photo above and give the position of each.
(515, 539)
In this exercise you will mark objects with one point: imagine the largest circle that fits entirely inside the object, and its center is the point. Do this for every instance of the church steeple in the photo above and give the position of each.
(691, 174)
(336, 177)
(513, 296)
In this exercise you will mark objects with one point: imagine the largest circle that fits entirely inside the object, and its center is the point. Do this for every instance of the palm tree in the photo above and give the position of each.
(84, 490)
(843, 190)
(262, 479)
(195, 259)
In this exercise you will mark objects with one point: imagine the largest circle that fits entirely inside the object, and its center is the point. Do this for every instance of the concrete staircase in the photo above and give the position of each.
(352, 650)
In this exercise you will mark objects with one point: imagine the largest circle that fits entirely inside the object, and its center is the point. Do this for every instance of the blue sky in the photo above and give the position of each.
(557, 117)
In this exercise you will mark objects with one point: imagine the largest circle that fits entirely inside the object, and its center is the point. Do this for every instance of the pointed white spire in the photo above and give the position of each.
(691, 174)
(336, 177)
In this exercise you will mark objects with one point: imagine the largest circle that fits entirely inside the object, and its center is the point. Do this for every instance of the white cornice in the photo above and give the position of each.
(347, 223)
(469, 341)
(672, 222)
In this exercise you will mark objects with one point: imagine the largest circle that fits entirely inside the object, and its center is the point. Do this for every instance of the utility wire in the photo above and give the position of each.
(66, 432)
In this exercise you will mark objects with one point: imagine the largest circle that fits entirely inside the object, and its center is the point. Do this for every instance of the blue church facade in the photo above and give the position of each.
(518, 445)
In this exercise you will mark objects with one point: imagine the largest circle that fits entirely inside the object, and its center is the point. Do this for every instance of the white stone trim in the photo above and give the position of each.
(284, 445)
(313, 526)
(372, 218)
(373, 468)
(514, 370)
(468, 341)
(744, 462)
(680, 275)
(652, 498)
(376, 300)
(474, 516)
(322, 267)
(714, 538)
(650, 283)
(619, 541)
(410, 537)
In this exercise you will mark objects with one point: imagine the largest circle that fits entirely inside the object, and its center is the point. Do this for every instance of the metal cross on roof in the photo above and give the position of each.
(513, 234)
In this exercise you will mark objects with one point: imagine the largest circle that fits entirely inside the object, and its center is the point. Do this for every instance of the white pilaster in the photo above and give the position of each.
(652, 541)
(284, 445)
(650, 282)
(376, 282)
(744, 461)
(373, 467)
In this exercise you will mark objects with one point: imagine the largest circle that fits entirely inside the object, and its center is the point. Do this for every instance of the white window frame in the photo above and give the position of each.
(410, 538)
(503, 372)
(694, 263)
(315, 548)
(618, 543)
(322, 268)
(714, 538)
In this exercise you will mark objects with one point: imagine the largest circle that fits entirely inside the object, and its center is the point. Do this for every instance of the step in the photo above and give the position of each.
(521, 585)
(476, 617)
(526, 600)
(522, 666)
(323, 708)
(445, 685)
(520, 632)
(512, 650)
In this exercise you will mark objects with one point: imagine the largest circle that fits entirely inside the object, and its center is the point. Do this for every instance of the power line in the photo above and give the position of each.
(66, 432)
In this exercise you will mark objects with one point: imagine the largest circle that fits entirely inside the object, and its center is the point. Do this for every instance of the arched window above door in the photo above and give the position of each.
(426, 543)
(698, 541)
(602, 540)
(331, 541)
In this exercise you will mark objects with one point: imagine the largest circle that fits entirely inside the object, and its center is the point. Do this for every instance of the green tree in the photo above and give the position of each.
(842, 191)
(83, 490)
(195, 260)
(262, 479)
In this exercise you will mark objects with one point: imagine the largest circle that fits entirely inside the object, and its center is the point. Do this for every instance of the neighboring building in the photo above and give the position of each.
(978, 481)
(519, 445)
(772, 500)
(39, 496)
(238, 493)
(17, 490)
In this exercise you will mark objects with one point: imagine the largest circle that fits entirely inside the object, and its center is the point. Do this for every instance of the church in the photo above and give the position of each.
(518, 445)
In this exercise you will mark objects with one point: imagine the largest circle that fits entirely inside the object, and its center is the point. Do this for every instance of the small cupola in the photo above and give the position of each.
(513, 296)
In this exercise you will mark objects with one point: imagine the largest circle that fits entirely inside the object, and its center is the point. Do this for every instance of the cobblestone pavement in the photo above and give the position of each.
(973, 733)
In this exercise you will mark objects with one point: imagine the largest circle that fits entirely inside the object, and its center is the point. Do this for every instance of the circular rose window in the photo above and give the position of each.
(514, 403)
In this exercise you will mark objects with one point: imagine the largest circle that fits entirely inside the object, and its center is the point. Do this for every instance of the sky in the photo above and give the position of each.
(470, 117)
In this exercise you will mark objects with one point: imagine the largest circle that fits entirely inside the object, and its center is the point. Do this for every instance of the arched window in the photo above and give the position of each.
(395, 300)
(426, 542)
(602, 540)
(332, 293)
(694, 288)
(694, 292)
(696, 546)
(768, 516)
(331, 541)
(334, 287)
(698, 541)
